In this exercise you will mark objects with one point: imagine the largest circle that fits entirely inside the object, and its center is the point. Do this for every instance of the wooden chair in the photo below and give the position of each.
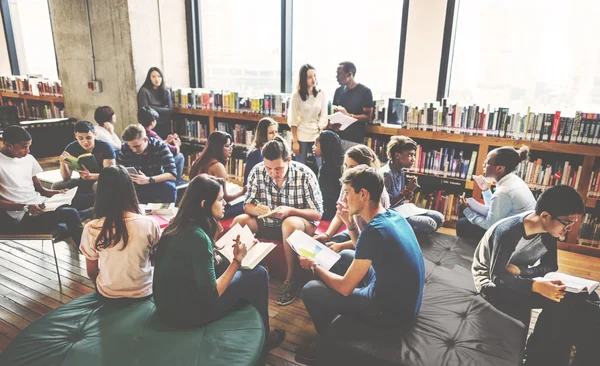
(42, 237)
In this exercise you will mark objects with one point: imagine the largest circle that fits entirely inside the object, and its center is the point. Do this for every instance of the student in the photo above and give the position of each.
(85, 143)
(22, 196)
(506, 273)
(148, 117)
(213, 161)
(401, 152)
(266, 130)
(106, 118)
(352, 99)
(153, 162)
(512, 195)
(189, 289)
(355, 156)
(293, 189)
(155, 94)
(328, 147)
(117, 243)
(307, 113)
(382, 282)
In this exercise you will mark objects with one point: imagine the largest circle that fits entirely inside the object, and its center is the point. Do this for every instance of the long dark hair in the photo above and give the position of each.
(212, 150)
(162, 87)
(303, 84)
(331, 150)
(262, 129)
(115, 196)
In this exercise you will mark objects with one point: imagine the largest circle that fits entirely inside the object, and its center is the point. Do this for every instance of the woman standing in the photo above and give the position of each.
(328, 147)
(266, 130)
(156, 95)
(308, 113)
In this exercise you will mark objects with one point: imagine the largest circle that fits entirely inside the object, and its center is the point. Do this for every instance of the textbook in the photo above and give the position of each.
(305, 245)
(574, 284)
(87, 160)
(256, 251)
(61, 199)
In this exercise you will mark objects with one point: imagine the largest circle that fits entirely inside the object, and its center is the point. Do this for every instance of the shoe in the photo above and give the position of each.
(287, 293)
(60, 233)
(276, 336)
(307, 352)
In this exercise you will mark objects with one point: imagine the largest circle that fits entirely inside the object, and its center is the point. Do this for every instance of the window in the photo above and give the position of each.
(241, 45)
(366, 33)
(538, 53)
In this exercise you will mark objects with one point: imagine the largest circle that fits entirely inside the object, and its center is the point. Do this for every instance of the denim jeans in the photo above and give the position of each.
(305, 149)
(179, 161)
(164, 192)
(324, 304)
(427, 222)
(465, 229)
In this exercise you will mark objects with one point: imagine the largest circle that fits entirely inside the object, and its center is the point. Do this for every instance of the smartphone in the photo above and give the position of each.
(131, 170)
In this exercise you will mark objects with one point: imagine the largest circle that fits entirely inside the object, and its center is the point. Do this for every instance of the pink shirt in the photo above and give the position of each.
(123, 272)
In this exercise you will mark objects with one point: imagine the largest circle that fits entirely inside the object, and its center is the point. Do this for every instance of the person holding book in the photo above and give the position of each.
(148, 118)
(382, 282)
(355, 156)
(106, 118)
(213, 161)
(192, 285)
(401, 152)
(117, 242)
(266, 130)
(328, 147)
(512, 195)
(307, 114)
(155, 94)
(283, 196)
(508, 268)
(151, 164)
(22, 196)
(354, 100)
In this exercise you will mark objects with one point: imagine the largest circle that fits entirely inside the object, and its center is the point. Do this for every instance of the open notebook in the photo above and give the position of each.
(574, 284)
(256, 252)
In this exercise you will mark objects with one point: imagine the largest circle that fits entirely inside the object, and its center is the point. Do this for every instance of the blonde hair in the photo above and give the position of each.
(399, 144)
(133, 132)
(363, 155)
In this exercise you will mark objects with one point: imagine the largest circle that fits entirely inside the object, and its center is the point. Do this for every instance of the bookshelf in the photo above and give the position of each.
(31, 107)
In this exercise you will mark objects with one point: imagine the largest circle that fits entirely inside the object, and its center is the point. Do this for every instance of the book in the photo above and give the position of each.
(477, 206)
(342, 119)
(408, 210)
(61, 199)
(305, 245)
(271, 212)
(574, 284)
(256, 251)
(88, 160)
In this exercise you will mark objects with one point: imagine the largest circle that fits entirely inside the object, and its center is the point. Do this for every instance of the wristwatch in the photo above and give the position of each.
(26, 209)
(151, 180)
(312, 268)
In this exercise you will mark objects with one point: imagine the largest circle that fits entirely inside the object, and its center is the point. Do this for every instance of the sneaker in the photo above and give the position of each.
(307, 352)
(287, 294)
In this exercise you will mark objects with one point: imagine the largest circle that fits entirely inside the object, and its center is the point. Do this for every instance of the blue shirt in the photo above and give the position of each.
(393, 180)
(102, 150)
(390, 244)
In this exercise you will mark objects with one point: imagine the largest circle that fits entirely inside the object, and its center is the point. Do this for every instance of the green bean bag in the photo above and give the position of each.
(85, 332)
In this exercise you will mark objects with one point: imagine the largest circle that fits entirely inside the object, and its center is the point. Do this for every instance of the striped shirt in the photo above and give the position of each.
(300, 190)
(156, 160)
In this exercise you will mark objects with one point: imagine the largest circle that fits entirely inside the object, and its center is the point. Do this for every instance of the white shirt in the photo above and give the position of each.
(16, 182)
(308, 116)
(103, 135)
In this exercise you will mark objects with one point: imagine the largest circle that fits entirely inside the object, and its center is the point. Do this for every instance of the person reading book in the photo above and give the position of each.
(106, 119)
(508, 263)
(22, 196)
(117, 242)
(512, 195)
(328, 147)
(192, 287)
(382, 282)
(153, 162)
(401, 152)
(213, 161)
(283, 196)
(266, 130)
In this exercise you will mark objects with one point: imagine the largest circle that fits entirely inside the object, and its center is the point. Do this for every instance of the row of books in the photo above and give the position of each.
(19, 105)
(589, 232)
(269, 104)
(235, 168)
(447, 163)
(31, 85)
(194, 128)
(379, 146)
(540, 176)
(594, 186)
(44, 111)
(242, 134)
(447, 204)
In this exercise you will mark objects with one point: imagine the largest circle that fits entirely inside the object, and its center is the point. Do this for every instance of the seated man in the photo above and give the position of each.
(106, 118)
(505, 272)
(382, 282)
(85, 143)
(293, 189)
(401, 154)
(155, 176)
(22, 196)
(147, 117)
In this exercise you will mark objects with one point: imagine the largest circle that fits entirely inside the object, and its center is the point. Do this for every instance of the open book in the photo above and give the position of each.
(574, 284)
(477, 206)
(305, 245)
(61, 199)
(256, 252)
(233, 189)
(271, 212)
(88, 160)
(342, 119)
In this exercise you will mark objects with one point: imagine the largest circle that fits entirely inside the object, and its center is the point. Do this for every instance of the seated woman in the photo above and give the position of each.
(190, 289)
(213, 161)
(117, 243)
(266, 130)
(328, 147)
(355, 156)
(512, 195)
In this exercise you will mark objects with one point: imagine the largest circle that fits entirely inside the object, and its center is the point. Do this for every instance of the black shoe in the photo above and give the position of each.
(307, 352)
(274, 339)
(60, 233)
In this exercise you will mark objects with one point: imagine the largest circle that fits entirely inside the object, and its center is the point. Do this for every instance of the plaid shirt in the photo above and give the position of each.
(157, 160)
(299, 190)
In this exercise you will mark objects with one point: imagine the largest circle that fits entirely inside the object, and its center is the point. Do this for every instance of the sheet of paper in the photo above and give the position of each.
(60, 199)
(53, 176)
(305, 245)
(409, 209)
(342, 119)
(478, 206)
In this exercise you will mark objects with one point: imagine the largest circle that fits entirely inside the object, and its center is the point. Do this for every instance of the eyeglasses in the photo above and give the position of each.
(487, 163)
(568, 224)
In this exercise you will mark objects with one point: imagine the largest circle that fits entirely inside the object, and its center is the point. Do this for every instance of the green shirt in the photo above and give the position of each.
(185, 285)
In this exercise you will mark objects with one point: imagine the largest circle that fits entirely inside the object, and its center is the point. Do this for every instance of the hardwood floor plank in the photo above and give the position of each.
(30, 293)
(19, 309)
(11, 318)
(56, 295)
(8, 330)
(28, 303)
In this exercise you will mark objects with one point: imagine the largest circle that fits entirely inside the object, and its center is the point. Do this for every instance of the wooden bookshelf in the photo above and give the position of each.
(211, 115)
(25, 98)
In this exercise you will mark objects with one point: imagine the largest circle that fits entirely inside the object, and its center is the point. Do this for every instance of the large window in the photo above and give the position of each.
(539, 53)
(241, 45)
(327, 32)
